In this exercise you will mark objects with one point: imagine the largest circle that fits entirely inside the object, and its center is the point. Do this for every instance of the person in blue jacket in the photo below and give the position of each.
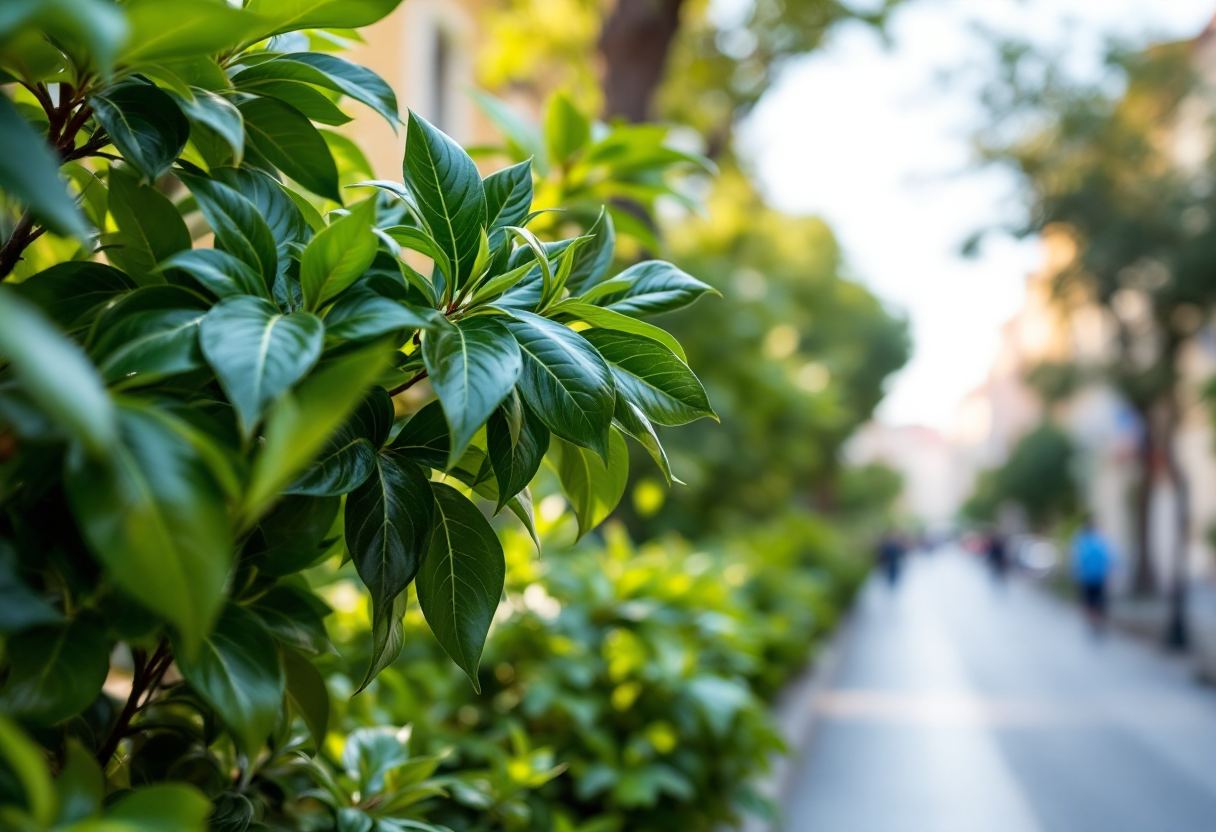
(1092, 563)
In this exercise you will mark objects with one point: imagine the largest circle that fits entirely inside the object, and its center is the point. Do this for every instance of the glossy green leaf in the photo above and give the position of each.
(650, 375)
(300, 424)
(145, 124)
(56, 373)
(449, 193)
(567, 130)
(515, 458)
(339, 255)
(149, 227)
(425, 438)
(610, 319)
(307, 99)
(239, 228)
(633, 422)
(289, 141)
(307, 694)
(348, 459)
(292, 536)
(218, 113)
(508, 199)
(55, 671)
(237, 671)
(415, 239)
(292, 15)
(274, 205)
(461, 580)
(361, 314)
(472, 366)
(151, 334)
(564, 380)
(592, 261)
(166, 807)
(70, 293)
(593, 488)
(258, 353)
(294, 615)
(29, 174)
(217, 271)
(92, 30)
(330, 72)
(156, 518)
(388, 529)
(388, 637)
(654, 286)
(176, 29)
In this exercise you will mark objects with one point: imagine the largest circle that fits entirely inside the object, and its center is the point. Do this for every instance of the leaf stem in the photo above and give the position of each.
(403, 387)
(146, 678)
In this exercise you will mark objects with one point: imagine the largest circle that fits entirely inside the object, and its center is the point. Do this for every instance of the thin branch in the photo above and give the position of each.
(146, 677)
(22, 236)
(403, 387)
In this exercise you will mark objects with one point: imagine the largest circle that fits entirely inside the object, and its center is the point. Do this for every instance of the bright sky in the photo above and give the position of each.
(866, 136)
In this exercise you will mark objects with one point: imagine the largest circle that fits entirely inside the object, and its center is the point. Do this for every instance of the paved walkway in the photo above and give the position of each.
(960, 706)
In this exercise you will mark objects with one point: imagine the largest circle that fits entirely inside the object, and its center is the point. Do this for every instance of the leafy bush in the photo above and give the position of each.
(184, 429)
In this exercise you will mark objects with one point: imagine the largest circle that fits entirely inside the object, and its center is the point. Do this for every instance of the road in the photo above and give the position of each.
(961, 706)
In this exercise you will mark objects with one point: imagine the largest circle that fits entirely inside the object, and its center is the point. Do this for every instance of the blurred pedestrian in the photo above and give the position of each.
(997, 553)
(890, 556)
(1092, 563)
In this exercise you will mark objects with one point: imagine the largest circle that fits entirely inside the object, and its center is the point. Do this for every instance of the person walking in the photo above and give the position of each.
(1092, 563)
(890, 556)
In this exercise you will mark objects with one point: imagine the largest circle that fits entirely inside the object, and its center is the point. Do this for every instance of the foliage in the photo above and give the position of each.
(186, 429)
(1037, 477)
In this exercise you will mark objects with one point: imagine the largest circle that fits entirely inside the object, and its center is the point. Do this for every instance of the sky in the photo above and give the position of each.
(867, 135)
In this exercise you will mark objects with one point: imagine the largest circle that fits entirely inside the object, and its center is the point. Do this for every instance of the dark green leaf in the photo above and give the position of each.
(55, 671)
(416, 239)
(219, 114)
(425, 438)
(633, 422)
(258, 353)
(217, 271)
(94, 29)
(176, 29)
(288, 140)
(238, 673)
(330, 72)
(339, 255)
(307, 694)
(69, 293)
(29, 173)
(56, 373)
(292, 536)
(515, 458)
(650, 376)
(565, 381)
(592, 261)
(307, 99)
(239, 227)
(472, 366)
(654, 286)
(388, 637)
(145, 124)
(461, 580)
(149, 227)
(593, 488)
(295, 616)
(155, 517)
(150, 334)
(508, 199)
(362, 313)
(603, 318)
(274, 204)
(27, 761)
(20, 606)
(388, 529)
(447, 186)
(350, 457)
(80, 785)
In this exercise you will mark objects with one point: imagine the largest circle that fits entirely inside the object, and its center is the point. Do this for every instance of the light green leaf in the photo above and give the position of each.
(144, 123)
(461, 580)
(27, 761)
(594, 489)
(96, 25)
(472, 366)
(523, 138)
(567, 131)
(339, 255)
(168, 807)
(237, 672)
(55, 671)
(650, 376)
(29, 174)
(291, 15)
(176, 29)
(415, 239)
(603, 318)
(258, 353)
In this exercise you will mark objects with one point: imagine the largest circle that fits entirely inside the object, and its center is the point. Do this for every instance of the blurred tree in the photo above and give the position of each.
(793, 364)
(1037, 478)
(1103, 159)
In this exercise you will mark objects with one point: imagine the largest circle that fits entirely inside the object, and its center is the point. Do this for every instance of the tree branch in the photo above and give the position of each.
(147, 676)
(403, 387)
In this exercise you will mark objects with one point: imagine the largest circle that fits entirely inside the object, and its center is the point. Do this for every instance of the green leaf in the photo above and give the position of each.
(307, 694)
(29, 174)
(415, 239)
(388, 637)
(307, 99)
(145, 124)
(167, 807)
(654, 286)
(523, 138)
(258, 353)
(27, 761)
(291, 15)
(339, 255)
(350, 457)
(56, 373)
(388, 530)
(508, 199)
(288, 140)
(80, 785)
(633, 422)
(461, 580)
(301, 424)
(331, 72)
(91, 30)
(292, 536)
(594, 489)
(425, 438)
(274, 204)
(567, 131)
(150, 334)
(603, 318)
(361, 314)
(502, 283)
(472, 366)
(71, 293)
(450, 196)
(592, 261)
(156, 519)
(149, 227)
(176, 29)
(564, 380)
(218, 113)
(217, 271)
(294, 615)
(239, 228)
(515, 458)
(238, 673)
(651, 376)
(55, 671)
(20, 606)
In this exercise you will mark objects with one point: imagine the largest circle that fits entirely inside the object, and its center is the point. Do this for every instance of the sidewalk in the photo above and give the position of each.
(960, 705)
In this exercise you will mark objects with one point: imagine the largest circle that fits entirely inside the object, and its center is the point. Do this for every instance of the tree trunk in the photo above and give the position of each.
(634, 45)
(1177, 633)
(1143, 582)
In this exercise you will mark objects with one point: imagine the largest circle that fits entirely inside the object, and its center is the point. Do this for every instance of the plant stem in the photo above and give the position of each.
(403, 387)
(147, 676)
(22, 236)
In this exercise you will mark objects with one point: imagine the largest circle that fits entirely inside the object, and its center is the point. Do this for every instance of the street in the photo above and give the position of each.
(964, 706)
